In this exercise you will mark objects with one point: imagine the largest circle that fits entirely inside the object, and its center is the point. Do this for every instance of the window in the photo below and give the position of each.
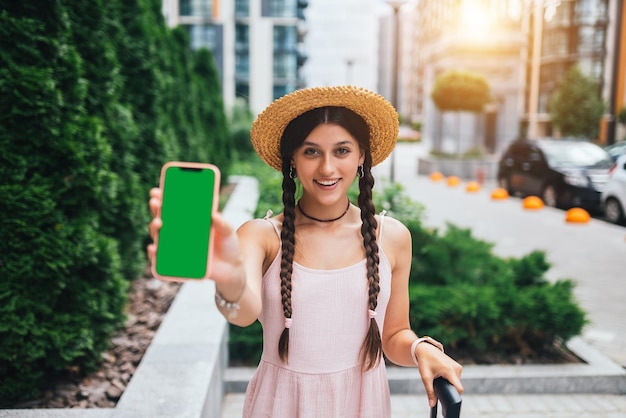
(242, 8)
(242, 37)
(281, 89)
(592, 67)
(590, 11)
(590, 40)
(285, 38)
(198, 8)
(242, 89)
(210, 37)
(242, 52)
(279, 8)
(207, 36)
(555, 43)
(285, 51)
(285, 65)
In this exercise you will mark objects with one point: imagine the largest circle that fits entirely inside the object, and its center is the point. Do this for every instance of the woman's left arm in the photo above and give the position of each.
(398, 338)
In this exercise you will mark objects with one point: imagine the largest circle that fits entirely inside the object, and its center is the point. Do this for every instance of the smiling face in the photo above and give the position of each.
(326, 164)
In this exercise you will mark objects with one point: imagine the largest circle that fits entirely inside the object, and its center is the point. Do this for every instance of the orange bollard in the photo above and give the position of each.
(532, 202)
(499, 194)
(436, 176)
(453, 181)
(577, 215)
(472, 186)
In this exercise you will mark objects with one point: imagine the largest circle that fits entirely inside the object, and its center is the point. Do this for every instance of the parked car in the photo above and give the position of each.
(563, 173)
(614, 194)
(616, 149)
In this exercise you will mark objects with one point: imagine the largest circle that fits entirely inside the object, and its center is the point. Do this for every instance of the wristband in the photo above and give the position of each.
(426, 339)
(230, 308)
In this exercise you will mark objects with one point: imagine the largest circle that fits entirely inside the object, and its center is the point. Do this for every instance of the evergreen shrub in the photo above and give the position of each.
(94, 98)
(470, 298)
(61, 293)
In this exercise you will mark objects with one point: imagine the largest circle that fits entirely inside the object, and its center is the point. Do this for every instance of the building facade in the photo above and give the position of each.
(523, 48)
(265, 49)
(257, 44)
(561, 35)
(483, 37)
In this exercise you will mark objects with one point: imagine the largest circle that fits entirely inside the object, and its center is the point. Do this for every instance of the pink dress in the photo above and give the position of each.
(323, 377)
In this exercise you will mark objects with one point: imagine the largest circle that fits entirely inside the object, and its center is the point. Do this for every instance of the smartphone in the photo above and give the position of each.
(190, 194)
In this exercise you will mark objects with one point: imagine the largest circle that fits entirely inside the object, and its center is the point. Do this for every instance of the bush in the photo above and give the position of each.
(472, 299)
(61, 293)
(95, 97)
(460, 292)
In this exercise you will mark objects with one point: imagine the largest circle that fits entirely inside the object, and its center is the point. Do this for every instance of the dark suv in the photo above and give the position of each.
(564, 173)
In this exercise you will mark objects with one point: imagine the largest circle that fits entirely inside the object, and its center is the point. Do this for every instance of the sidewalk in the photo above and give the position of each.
(493, 406)
(593, 255)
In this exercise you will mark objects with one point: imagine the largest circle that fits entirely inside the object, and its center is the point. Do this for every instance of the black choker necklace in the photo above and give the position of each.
(324, 220)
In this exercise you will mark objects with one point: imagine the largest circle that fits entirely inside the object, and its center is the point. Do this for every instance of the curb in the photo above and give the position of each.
(598, 375)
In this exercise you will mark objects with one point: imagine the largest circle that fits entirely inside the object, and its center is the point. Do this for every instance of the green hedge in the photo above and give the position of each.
(471, 299)
(460, 291)
(94, 98)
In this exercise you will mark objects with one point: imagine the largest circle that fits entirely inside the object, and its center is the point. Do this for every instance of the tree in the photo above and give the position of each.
(458, 91)
(576, 106)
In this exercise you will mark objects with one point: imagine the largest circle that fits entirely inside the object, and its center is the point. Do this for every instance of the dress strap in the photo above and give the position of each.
(267, 218)
(380, 228)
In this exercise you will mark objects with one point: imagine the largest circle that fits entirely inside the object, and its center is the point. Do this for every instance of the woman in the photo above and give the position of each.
(327, 279)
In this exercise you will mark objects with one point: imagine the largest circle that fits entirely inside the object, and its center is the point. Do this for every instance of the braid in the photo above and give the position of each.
(371, 351)
(288, 242)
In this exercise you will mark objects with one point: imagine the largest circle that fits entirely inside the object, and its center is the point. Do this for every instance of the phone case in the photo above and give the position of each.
(190, 195)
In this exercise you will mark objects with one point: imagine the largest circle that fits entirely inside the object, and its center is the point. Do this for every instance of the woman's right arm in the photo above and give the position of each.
(237, 264)
(238, 261)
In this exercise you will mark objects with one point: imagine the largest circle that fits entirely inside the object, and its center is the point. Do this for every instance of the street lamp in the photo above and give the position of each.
(395, 5)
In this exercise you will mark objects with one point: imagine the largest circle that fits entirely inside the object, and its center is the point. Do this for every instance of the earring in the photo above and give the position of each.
(360, 172)
(292, 173)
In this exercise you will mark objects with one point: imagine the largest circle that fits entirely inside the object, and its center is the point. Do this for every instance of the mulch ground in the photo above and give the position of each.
(149, 300)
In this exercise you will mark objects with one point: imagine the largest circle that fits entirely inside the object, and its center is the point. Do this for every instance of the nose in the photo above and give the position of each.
(327, 165)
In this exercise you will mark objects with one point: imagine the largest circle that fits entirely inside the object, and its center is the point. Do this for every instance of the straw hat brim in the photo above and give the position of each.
(376, 111)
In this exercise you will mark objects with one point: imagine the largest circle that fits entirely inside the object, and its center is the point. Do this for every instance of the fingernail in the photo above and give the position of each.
(432, 402)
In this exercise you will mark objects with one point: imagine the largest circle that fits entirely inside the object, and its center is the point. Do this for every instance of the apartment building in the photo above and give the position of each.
(265, 49)
(523, 48)
(257, 44)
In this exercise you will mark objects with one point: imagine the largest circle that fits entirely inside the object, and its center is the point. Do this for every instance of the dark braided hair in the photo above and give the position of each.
(372, 350)
(294, 135)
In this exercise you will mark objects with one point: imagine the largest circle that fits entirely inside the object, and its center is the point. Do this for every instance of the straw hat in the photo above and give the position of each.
(375, 110)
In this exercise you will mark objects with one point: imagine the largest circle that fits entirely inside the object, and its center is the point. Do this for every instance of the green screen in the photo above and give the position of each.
(187, 204)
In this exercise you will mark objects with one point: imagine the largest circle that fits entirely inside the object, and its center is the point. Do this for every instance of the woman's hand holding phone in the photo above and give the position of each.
(191, 240)
(226, 253)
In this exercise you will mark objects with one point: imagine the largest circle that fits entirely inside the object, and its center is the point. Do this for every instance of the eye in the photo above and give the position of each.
(343, 151)
(310, 151)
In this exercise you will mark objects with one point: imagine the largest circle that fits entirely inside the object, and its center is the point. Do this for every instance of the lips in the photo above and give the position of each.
(326, 183)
